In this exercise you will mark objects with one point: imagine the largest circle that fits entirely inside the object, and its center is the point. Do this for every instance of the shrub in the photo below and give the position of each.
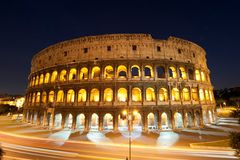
(235, 142)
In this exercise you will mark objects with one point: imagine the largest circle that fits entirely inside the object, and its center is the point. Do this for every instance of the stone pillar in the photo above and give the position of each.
(145, 122)
(159, 120)
(184, 118)
(115, 121)
(44, 118)
(87, 124)
(172, 120)
(100, 122)
(63, 120)
(52, 120)
(74, 121)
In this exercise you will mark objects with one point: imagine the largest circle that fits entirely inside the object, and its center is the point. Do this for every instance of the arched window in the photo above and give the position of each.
(96, 72)
(38, 97)
(63, 76)
(148, 71)
(136, 94)
(135, 71)
(33, 81)
(108, 95)
(175, 94)
(82, 95)
(186, 95)
(108, 72)
(150, 94)
(122, 95)
(44, 97)
(83, 73)
(72, 74)
(182, 73)
(51, 96)
(210, 95)
(207, 95)
(70, 96)
(47, 76)
(190, 74)
(122, 71)
(194, 94)
(201, 95)
(172, 72)
(163, 94)
(33, 98)
(37, 80)
(41, 79)
(94, 95)
(203, 76)
(160, 72)
(60, 96)
(197, 75)
(54, 76)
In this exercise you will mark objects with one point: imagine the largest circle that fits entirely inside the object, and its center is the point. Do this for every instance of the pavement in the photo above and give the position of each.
(26, 141)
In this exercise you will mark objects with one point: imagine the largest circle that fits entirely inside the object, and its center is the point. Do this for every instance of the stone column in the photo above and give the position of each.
(159, 120)
(100, 123)
(74, 121)
(115, 121)
(145, 122)
(172, 120)
(44, 118)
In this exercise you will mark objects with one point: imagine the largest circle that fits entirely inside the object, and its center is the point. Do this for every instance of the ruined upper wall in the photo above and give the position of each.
(122, 47)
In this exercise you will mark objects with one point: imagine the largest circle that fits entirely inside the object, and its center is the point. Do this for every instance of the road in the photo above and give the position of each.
(25, 147)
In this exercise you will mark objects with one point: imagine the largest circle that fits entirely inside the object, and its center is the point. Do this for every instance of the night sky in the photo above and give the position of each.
(28, 26)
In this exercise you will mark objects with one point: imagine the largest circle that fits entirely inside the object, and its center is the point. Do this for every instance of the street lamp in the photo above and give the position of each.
(129, 115)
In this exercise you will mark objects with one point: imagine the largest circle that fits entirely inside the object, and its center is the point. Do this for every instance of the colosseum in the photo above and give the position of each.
(101, 82)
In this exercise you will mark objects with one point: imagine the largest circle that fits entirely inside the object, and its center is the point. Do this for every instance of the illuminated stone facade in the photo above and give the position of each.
(91, 82)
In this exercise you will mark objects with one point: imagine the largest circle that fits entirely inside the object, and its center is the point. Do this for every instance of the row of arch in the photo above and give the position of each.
(81, 95)
(121, 72)
(163, 121)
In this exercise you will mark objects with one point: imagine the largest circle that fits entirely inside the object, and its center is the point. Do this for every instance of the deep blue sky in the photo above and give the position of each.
(28, 26)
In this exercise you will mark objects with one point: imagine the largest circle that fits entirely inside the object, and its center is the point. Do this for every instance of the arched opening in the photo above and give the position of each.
(186, 94)
(188, 119)
(58, 120)
(201, 95)
(94, 122)
(37, 80)
(148, 71)
(96, 72)
(108, 72)
(108, 95)
(182, 73)
(63, 76)
(80, 122)
(164, 121)
(49, 119)
(197, 75)
(44, 97)
(94, 95)
(35, 117)
(41, 79)
(51, 96)
(38, 97)
(172, 72)
(210, 116)
(122, 71)
(151, 121)
(178, 120)
(68, 121)
(122, 123)
(135, 70)
(122, 95)
(54, 76)
(33, 81)
(83, 73)
(108, 122)
(136, 94)
(72, 74)
(203, 76)
(175, 94)
(137, 121)
(190, 74)
(163, 94)
(60, 96)
(160, 72)
(82, 95)
(46, 79)
(33, 98)
(194, 94)
(70, 96)
(150, 94)
(207, 95)
(211, 95)
(197, 119)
